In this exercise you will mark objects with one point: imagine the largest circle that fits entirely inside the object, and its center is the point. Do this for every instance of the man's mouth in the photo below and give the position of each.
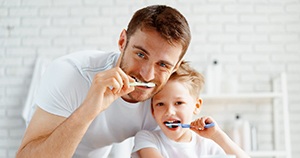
(139, 83)
(136, 80)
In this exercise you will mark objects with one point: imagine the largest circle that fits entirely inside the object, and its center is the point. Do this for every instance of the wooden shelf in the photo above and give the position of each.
(259, 95)
(273, 153)
(279, 92)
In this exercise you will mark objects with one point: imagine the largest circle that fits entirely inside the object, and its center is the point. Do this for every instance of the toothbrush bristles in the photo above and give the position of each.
(149, 84)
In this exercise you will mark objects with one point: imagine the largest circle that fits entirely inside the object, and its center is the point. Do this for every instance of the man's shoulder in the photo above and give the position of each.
(92, 53)
(91, 56)
(93, 60)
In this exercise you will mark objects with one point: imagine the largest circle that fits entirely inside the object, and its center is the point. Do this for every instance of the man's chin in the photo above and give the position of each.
(135, 97)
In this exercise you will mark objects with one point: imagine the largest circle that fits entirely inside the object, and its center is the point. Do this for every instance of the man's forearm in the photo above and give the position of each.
(62, 141)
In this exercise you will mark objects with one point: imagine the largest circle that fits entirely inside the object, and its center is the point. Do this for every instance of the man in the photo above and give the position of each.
(85, 102)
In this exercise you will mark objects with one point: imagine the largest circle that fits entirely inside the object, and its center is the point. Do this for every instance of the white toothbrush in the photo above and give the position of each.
(149, 84)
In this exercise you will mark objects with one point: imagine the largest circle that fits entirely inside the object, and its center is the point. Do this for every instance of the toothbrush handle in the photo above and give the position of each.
(206, 126)
(185, 125)
(209, 125)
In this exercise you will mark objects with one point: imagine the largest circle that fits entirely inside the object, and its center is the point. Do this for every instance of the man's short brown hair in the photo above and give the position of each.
(167, 21)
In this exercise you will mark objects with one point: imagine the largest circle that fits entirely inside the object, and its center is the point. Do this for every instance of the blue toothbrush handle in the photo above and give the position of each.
(209, 125)
(206, 126)
(185, 125)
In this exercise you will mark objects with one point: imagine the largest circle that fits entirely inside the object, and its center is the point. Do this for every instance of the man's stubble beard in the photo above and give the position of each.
(123, 66)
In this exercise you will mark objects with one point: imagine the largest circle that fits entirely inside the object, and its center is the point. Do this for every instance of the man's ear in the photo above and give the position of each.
(122, 41)
(198, 106)
(122, 44)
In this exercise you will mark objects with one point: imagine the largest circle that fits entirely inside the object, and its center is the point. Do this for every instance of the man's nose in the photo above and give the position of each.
(147, 72)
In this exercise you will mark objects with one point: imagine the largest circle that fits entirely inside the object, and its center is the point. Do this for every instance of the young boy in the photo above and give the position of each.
(177, 102)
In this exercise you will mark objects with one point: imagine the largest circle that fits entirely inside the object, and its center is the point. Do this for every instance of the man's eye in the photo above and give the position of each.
(141, 55)
(162, 65)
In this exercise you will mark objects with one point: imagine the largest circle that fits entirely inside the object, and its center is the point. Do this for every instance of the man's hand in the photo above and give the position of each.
(106, 87)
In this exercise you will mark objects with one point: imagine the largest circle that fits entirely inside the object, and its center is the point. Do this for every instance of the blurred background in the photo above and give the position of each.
(241, 46)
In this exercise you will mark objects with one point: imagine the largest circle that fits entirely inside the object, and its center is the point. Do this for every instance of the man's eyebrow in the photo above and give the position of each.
(141, 48)
(146, 52)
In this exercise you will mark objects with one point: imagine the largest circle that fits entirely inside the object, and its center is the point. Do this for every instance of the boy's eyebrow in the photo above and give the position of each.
(146, 52)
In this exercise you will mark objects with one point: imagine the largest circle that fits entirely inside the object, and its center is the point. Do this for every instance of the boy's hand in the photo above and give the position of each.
(198, 127)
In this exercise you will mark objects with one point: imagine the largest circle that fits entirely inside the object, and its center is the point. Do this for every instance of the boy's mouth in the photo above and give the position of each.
(168, 123)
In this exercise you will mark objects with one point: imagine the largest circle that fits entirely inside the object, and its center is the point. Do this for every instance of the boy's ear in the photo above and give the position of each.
(198, 106)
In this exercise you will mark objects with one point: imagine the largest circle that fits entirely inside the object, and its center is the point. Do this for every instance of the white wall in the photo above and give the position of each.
(254, 39)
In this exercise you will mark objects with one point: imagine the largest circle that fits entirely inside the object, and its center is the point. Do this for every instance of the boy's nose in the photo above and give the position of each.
(170, 110)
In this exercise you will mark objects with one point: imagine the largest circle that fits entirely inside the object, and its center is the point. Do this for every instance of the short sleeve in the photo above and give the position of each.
(143, 139)
(62, 88)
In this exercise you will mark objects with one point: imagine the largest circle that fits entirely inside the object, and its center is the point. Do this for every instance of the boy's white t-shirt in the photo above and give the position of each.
(63, 88)
(196, 148)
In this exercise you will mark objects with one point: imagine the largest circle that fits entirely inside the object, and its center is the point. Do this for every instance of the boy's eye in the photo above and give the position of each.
(179, 103)
(141, 55)
(159, 104)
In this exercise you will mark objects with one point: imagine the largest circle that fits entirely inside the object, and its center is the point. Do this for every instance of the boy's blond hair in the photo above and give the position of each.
(191, 78)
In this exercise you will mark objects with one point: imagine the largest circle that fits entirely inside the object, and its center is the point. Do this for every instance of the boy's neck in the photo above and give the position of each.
(186, 137)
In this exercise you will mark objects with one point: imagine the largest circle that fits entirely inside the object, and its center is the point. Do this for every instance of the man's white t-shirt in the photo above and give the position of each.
(196, 148)
(63, 88)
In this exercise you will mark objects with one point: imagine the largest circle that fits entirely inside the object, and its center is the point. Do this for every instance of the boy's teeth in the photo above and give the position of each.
(170, 122)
